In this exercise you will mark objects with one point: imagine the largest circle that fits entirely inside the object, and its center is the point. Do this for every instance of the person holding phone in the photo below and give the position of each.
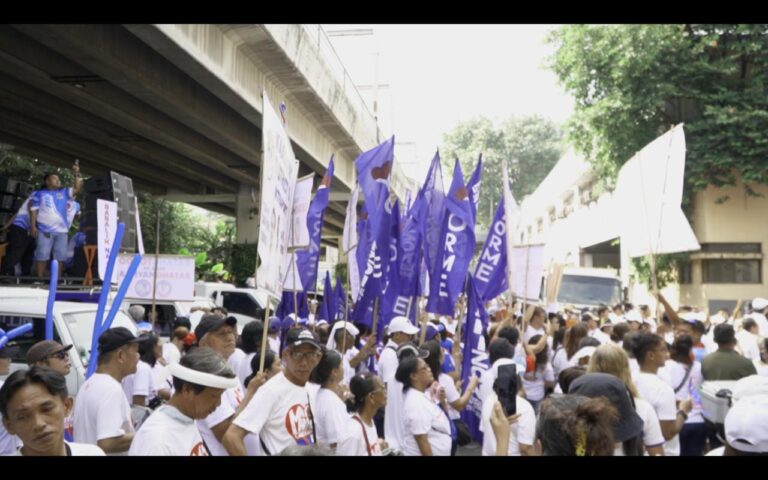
(522, 433)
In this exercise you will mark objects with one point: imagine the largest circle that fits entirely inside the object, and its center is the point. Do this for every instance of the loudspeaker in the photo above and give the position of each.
(115, 188)
(10, 203)
(15, 187)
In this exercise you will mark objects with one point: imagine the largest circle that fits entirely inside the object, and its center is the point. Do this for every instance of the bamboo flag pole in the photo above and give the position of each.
(264, 337)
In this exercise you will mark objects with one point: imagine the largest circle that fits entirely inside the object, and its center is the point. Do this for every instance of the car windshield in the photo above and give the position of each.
(584, 290)
(80, 326)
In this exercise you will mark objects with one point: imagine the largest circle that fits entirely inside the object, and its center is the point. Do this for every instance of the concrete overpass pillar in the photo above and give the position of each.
(246, 215)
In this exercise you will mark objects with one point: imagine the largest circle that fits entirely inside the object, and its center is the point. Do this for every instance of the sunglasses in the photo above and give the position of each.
(60, 355)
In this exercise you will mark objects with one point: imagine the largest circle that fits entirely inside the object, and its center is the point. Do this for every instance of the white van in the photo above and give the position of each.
(589, 287)
(72, 325)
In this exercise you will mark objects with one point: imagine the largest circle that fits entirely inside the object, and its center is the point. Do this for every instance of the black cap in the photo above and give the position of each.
(9, 351)
(115, 338)
(603, 385)
(210, 322)
(299, 336)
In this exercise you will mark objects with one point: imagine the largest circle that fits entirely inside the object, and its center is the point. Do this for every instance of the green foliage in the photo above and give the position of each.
(666, 268)
(531, 145)
(243, 262)
(632, 83)
(340, 274)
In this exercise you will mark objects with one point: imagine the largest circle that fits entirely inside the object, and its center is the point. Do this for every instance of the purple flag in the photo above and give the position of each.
(375, 267)
(475, 359)
(456, 248)
(373, 172)
(431, 218)
(490, 273)
(388, 300)
(340, 300)
(285, 307)
(307, 260)
(473, 186)
(324, 312)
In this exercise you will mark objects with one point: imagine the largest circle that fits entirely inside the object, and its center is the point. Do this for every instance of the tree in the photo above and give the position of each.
(531, 145)
(634, 82)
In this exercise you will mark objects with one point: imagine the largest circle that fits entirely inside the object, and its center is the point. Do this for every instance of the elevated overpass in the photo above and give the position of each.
(178, 108)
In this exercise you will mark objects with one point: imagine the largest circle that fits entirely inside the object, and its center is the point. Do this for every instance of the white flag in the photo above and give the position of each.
(349, 243)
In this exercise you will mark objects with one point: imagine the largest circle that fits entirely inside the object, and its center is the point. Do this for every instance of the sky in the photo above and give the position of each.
(433, 77)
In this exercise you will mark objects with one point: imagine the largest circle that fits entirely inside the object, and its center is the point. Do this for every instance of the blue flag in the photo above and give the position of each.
(431, 216)
(375, 266)
(473, 186)
(410, 248)
(490, 273)
(340, 300)
(456, 248)
(307, 260)
(327, 307)
(285, 307)
(373, 172)
(475, 359)
(389, 306)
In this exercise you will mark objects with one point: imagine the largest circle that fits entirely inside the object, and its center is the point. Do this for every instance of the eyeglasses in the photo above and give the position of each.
(299, 356)
(60, 355)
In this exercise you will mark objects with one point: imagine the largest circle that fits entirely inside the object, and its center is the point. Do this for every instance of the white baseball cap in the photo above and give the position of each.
(759, 303)
(353, 330)
(694, 317)
(746, 425)
(402, 324)
(717, 319)
(749, 386)
(583, 352)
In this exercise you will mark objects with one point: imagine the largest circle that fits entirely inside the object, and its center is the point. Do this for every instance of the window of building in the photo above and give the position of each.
(684, 272)
(731, 248)
(731, 271)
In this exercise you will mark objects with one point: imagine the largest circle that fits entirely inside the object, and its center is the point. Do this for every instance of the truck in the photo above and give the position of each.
(245, 304)
(585, 287)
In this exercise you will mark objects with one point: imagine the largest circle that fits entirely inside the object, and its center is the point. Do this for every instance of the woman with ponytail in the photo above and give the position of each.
(575, 425)
(368, 397)
(329, 410)
(686, 379)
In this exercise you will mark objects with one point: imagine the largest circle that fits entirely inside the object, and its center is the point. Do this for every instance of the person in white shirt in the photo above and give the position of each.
(9, 443)
(102, 414)
(172, 349)
(500, 352)
(218, 333)
(759, 311)
(139, 387)
(748, 339)
(761, 364)
(330, 411)
(369, 395)
(342, 339)
(427, 426)
(593, 329)
(570, 346)
(522, 432)
(274, 334)
(651, 353)
(199, 380)
(250, 339)
(685, 379)
(542, 378)
(401, 331)
(613, 360)
(280, 412)
(33, 404)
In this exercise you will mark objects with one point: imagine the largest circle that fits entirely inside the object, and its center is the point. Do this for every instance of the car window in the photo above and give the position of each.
(236, 302)
(24, 342)
(80, 326)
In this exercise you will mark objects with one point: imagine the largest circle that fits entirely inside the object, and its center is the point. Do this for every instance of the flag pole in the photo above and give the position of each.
(264, 337)
(457, 337)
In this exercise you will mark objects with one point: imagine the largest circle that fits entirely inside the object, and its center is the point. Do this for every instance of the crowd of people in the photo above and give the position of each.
(613, 381)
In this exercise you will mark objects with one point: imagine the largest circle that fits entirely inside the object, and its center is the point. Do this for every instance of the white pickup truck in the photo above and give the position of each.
(589, 287)
(245, 304)
(72, 325)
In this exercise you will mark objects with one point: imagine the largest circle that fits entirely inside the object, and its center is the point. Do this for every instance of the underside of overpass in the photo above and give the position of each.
(178, 108)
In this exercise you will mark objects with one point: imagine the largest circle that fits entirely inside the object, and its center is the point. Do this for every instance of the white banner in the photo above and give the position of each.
(106, 221)
(138, 226)
(291, 278)
(349, 243)
(175, 277)
(278, 178)
(302, 195)
(649, 190)
(528, 259)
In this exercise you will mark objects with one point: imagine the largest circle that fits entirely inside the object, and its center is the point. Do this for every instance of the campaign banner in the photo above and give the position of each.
(175, 277)
(106, 222)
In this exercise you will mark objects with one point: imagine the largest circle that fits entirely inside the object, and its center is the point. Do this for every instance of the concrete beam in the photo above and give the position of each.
(200, 199)
(30, 62)
(339, 197)
(121, 58)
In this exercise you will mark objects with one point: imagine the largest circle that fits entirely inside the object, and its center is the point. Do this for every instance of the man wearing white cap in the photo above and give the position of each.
(401, 330)
(199, 380)
(748, 339)
(351, 356)
(746, 424)
(759, 311)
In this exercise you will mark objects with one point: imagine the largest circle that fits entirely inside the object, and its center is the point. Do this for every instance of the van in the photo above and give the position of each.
(589, 287)
(245, 304)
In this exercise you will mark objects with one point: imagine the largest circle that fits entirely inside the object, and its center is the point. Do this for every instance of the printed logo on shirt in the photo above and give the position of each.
(69, 429)
(199, 450)
(299, 424)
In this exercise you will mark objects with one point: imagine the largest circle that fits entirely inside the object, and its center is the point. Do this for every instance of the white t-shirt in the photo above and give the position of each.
(451, 394)
(101, 410)
(353, 443)
(652, 436)
(8, 443)
(280, 413)
(139, 383)
(489, 376)
(761, 368)
(230, 400)
(274, 344)
(534, 382)
(388, 362)
(331, 417)
(235, 359)
(244, 369)
(171, 353)
(349, 372)
(168, 432)
(75, 450)
(762, 323)
(559, 361)
(691, 388)
(523, 431)
(531, 332)
(662, 398)
(748, 344)
(600, 336)
(424, 417)
(394, 425)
